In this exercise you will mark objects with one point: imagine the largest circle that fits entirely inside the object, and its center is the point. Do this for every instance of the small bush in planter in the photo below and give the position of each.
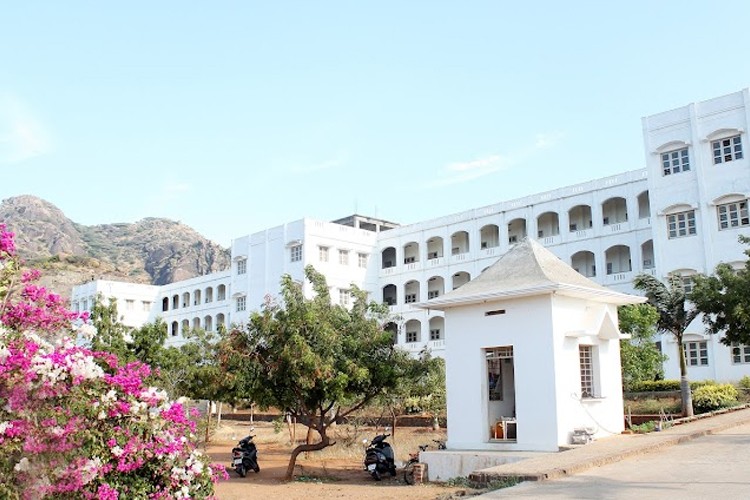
(713, 397)
(644, 428)
(744, 382)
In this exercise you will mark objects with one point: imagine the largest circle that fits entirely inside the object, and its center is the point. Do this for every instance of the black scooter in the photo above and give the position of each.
(379, 457)
(245, 456)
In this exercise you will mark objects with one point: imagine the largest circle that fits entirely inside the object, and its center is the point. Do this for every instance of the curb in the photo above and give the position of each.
(658, 442)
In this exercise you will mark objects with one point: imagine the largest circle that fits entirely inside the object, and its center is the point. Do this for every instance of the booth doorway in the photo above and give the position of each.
(500, 393)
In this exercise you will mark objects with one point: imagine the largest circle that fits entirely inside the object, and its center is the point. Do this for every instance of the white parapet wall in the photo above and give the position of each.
(444, 465)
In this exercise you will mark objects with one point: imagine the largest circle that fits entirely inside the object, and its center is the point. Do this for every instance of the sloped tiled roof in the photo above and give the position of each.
(528, 269)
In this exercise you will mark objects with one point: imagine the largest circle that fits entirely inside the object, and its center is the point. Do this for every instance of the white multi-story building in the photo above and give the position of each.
(681, 214)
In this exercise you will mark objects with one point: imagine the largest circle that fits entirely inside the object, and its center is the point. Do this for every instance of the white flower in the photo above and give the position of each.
(110, 397)
(22, 465)
(137, 407)
(83, 366)
(154, 393)
(197, 467)
(3, 426)
(90, 470)
(117, 451)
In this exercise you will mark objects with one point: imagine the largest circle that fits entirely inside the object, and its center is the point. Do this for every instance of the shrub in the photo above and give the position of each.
(713, 397)
(701, 383)
(744, 382)
(78, 424)
(644, 428)
(666, 385)
(656, 386)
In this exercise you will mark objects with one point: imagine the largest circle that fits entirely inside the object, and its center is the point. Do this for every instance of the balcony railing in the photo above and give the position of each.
(436, 344)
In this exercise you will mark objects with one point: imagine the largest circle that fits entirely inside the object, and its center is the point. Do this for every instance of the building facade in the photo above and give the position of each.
(681, 214)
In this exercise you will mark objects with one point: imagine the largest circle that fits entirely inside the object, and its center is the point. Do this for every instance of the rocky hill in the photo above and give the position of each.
(152, 250)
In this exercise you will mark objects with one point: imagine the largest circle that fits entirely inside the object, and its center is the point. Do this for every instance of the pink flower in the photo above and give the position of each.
(7, 243)
(106, 492)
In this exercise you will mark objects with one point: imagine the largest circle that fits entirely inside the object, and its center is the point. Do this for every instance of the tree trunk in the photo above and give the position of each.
(324, 443)
(685, 393)
(208, 420)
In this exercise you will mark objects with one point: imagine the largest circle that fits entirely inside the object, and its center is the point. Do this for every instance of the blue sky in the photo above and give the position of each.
(233, 117)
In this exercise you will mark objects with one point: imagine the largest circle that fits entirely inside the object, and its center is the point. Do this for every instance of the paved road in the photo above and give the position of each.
(713, 466)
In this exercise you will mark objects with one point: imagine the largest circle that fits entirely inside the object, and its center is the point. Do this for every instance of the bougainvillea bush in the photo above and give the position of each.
(75, 423)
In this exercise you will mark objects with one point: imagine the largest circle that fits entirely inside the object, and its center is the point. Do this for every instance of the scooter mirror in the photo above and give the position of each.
(364, 441)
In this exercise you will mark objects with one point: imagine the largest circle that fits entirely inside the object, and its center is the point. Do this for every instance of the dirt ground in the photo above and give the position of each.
(332, 473)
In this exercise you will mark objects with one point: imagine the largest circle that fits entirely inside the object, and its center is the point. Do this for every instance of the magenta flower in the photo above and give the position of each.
(76, 423)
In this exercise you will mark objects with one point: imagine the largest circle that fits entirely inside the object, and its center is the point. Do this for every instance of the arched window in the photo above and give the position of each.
(434, 247)
(388, 257)
(460, 278)
(437, 328)
(435, 287)
(647, 254)
(411, 292)
(489, 236)
(644, 205)
(579, 218)
(413, 330)
(584, 263)
(618, 259)
(614, 211)
(548, 224)
(390, 295)
(516, 230)
(411, 252)
(459, 242)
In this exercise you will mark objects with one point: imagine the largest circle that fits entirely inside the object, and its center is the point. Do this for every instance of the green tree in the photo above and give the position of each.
(724, 300)
(640, 358)
(674, 317)
(318, 361)
(421, 389)
(111, 335)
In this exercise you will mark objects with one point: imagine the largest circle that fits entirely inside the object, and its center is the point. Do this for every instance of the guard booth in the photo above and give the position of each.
(533, 356)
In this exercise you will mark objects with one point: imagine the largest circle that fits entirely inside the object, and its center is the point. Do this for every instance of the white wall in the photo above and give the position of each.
(546, 364)
(527, 326)
(135, 302)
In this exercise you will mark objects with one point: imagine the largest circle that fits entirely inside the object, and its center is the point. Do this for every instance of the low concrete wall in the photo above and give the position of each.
(443, 465)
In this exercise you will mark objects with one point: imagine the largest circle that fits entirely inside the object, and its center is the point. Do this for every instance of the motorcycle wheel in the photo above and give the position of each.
(241, 470)
(256, 468)
(409, 473)
(376, 475)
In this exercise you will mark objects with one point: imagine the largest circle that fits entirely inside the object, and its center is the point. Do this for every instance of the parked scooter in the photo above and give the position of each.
(245, 456)
(379, 457)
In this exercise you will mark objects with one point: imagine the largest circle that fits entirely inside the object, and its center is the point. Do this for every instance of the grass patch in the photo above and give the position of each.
(316, 479)
(480, 488)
